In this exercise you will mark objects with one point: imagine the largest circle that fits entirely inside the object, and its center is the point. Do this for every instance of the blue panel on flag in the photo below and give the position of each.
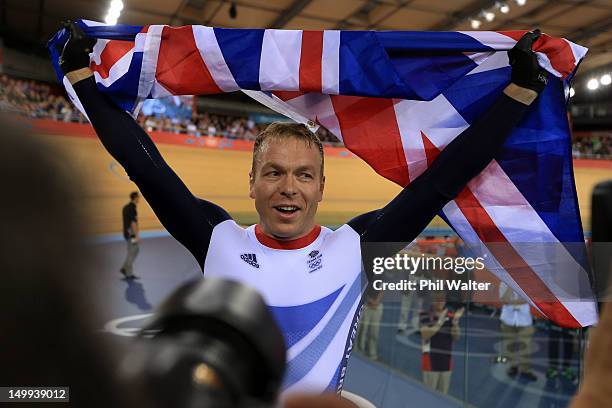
(403, 65)
(242, 53)
(430, 41)
(474, 94)
(541, 144)
(365, 68)
(55, 46)
(111, 32)
(430, 74)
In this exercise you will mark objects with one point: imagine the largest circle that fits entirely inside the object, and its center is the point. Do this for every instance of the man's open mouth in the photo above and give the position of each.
(287, 209)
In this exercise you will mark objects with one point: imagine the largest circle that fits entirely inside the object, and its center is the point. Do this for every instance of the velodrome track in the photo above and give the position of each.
(221, 176)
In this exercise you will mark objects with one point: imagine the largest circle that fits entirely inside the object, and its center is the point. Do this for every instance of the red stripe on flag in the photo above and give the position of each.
(431, 151)
(311, 60)
(512, 262)
(113, 52)
(369, 129)
(557, 50)
(180, 68)
(287, 95)
(504, 252)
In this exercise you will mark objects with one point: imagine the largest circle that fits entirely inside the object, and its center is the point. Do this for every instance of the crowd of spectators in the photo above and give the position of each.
(39, 100)
(36, 100)
(208, 124)
(596, 146)
(204, 124)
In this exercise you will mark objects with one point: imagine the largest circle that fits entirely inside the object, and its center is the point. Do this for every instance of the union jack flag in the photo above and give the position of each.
(395, 99)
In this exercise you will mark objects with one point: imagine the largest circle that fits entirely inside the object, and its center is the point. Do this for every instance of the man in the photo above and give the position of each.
(411, 301)
(439, 329)
(309, 275)
(369, 327)
(516, 327)
(130, 233)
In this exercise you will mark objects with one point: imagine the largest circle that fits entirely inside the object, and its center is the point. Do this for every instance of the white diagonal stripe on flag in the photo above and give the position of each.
(211, 54)
(465, 229)
(119, 69)
(279, 67)
(318, 108)
(491, 39)
(438, 119)
(497, 60)
(520, 224)
(149, 60)
(330, 66)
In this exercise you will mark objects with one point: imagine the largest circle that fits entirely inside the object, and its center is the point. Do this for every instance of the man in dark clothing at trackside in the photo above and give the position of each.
(131, 235)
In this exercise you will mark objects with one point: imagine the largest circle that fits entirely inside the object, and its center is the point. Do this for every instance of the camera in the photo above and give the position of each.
(211, 343)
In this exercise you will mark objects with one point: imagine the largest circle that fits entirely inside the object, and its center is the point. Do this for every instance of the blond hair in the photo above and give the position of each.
(279, 131)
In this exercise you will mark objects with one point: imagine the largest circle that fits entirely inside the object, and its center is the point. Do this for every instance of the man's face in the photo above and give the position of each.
(136, 199)
(287, 187)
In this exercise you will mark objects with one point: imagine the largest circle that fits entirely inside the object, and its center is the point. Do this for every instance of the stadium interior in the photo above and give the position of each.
(208, 141)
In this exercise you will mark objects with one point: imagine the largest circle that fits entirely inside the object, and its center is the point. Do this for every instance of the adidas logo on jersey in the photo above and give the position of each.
(251, 259)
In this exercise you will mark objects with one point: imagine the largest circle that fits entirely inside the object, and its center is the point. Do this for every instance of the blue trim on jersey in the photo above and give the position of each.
(297, 321)
(241, 49)
(300, 365)
(331, 387)
(338, 381)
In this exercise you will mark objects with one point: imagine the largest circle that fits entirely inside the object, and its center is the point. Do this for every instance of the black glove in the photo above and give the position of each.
(75, 54)
(526, 72)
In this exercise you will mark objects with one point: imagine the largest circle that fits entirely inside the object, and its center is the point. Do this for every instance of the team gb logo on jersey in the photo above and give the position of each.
(315, 261)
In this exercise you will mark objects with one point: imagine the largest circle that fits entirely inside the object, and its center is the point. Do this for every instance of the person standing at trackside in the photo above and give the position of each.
(411, 300)
(131, 235)
(369, 329)
(439, 329)
(516, 326)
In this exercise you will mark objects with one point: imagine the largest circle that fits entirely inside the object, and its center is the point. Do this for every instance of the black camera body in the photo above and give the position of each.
(214, 344)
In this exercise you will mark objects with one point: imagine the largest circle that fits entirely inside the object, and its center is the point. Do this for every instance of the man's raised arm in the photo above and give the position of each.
(187, 218)
(405, 217)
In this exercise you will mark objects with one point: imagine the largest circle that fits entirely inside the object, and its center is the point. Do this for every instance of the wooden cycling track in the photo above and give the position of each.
(221, 176)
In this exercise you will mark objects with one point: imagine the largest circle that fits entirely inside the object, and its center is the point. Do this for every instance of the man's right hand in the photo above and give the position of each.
(75, 54)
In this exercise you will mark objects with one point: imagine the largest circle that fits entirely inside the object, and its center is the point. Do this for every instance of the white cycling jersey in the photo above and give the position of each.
(313, 287)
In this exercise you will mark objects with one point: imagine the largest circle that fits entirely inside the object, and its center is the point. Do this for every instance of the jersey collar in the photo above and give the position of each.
(290, 244)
